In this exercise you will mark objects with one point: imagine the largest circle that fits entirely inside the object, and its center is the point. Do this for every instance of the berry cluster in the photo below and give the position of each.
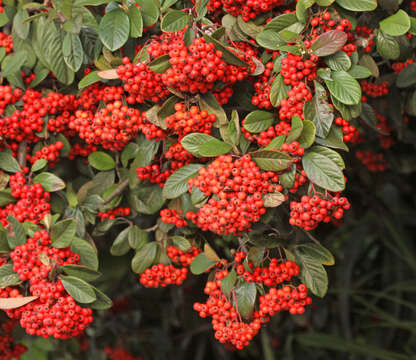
(251, 8)
(293, 105)
(365, 36)
(386, 141)
(236, 188)
(172, 216)
(262, 87)
(49, 152)
(265, 137)
(8, 96)
(6, 40)
(181, 257)
(399, 66)
(295, 70)
(310, 211)
(226, 321)
(112, 127)
(54, 312)
(8, 349)
(374, 90)
(374, 162)
(32, 202)
(141, 83)
(351, 134)
(184, 121)
(113, 213)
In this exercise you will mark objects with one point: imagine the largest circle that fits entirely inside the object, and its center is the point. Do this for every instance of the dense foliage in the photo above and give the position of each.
(220, 151)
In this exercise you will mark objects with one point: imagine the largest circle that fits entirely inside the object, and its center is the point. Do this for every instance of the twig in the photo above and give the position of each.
(153, 228)
(21, 154)
(117, 192)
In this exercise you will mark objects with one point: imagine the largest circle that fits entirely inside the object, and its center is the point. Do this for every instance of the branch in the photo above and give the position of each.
(117, 192)
(21, 154)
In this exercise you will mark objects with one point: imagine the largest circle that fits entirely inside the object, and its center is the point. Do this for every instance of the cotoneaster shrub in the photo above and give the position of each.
(210, 146)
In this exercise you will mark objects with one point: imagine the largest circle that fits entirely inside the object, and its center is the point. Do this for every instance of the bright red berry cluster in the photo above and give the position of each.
(54, 312)
(236, 188)
(182, 257)
(295, 70)
(262, 87)
(8, 96)
(310, 211)
(49, 152)
(351, 134)
(113, 213)
(32, 202)
(6, 40)
(293, 105)
(251, 8)
(172, 216)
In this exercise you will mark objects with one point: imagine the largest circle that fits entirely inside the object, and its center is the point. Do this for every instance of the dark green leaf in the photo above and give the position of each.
(358, 5)
(339, 61)
(81, 291)
(150, 11)
(312, 274)
(89, 79)
(335, 139)
(62, 233)
(121, 244)
(19, 26)
(323, 171)
(278, 91)
(245, 295)
(145, 257)
(114, 29)
(316, 252)
(227, 283)
(101, 161)
(407, 76)
(359, 72)
(258, 121)
(307, 137)
(136, 21)
(160, 64)
(397, 24)
(86, 252)
(296, 129)
(387, 46)
(8, 162)
(214, 147)
(174, 20)
(177, 184)
(102, 302)
(50, 182)
(181, 243)
(72, 51)
(333, 155)
(80, 271)
(270, 39)
(38, 165)
(201, 264)
(344, 88)
(271, 160)
(14, 63)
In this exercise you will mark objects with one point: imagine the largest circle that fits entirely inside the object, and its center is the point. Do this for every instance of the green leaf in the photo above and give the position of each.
(387, 46)
(214, 147)
(281, 22)
(201, 8)
(89, 79)
(271, 160)
(20, 27)
(329, 43)
(307, 137)
(9, 163)
(47, 44)
(6, 197)
(160, 64)
(270, 39)
(296, 129)
(316, 252)
(407, 77)
(322, 171)
(145, 257)
(287, 179)
(234, 130)
(177, 183)
(86, 252)
(136, 21)
(80, 271)
(147, 199)
(209, 102)
(14, 63)
(174, 20)
(114, 29)
(121, 244)
(81, 291)
(333, 155)
(181, 243)
(245, 295)
(319, 111)
(397, 24)
(150, 11)
(359, 72)
(335, 139)
(258, 121)
(358, 5)
(312, 274)
(277, 142)
(103, 302)
(278, 91)
(101, 161)
(16, 234)
(50, 182)
(8, 277)
(368, 115)
(344, 88)
(339, 61)
(72, 51)
(201, 264)
(62, 233)
(38, 165)
(227, 283)
(370, 64)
